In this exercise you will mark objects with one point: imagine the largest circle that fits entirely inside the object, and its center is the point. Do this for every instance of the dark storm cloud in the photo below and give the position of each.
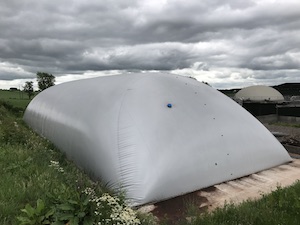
(215, 38)
(4, 75)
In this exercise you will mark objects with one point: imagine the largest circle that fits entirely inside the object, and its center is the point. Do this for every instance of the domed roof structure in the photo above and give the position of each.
(259, 93)
(156, 136)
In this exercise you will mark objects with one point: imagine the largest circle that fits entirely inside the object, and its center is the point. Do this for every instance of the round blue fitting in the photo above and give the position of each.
(169, 105)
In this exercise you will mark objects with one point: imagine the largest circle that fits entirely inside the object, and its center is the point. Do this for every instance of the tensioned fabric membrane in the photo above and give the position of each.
(155, 135)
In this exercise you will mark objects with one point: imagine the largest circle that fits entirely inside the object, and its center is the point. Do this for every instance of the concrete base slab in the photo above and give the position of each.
(236, 191)
(253, 186)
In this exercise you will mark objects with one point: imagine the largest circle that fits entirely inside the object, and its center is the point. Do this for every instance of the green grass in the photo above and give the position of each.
(18, 99)
(26, 175)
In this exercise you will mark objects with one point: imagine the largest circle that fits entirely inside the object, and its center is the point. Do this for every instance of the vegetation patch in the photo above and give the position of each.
(18, 99)
(286, 124)
(40, 186)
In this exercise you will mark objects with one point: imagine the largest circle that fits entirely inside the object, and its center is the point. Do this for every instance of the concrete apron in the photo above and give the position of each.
(246, 188)
(253, 186)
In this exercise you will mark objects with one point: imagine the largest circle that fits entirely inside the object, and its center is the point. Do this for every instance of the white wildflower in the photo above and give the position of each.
(111, 210)
(89, 191)
(56, 166)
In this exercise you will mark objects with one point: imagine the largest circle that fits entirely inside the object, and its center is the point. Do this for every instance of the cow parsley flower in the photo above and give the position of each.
(111, 210)
(56, 166)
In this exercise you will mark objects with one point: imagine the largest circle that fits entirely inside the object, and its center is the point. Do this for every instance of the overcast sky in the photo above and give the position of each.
(228, 44)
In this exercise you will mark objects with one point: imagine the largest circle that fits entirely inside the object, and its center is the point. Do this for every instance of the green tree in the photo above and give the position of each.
(45, 80)
(28, 88)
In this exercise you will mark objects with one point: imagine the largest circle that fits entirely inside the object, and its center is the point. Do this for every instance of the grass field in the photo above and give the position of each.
(49, 189)
(18, 99)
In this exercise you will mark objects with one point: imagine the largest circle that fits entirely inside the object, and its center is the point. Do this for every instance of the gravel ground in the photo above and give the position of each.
(290, 135)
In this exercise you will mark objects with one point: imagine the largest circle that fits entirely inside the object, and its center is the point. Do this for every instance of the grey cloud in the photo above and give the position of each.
(145, 57)
(9, 75)
(202, 66)
(273, 75)
(65, 37)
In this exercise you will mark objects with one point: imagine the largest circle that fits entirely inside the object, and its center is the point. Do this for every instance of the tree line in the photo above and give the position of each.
(44, 80)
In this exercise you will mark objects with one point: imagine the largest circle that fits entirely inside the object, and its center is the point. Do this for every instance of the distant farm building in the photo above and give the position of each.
(282, 102)
(259, 100)
(259, 93)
